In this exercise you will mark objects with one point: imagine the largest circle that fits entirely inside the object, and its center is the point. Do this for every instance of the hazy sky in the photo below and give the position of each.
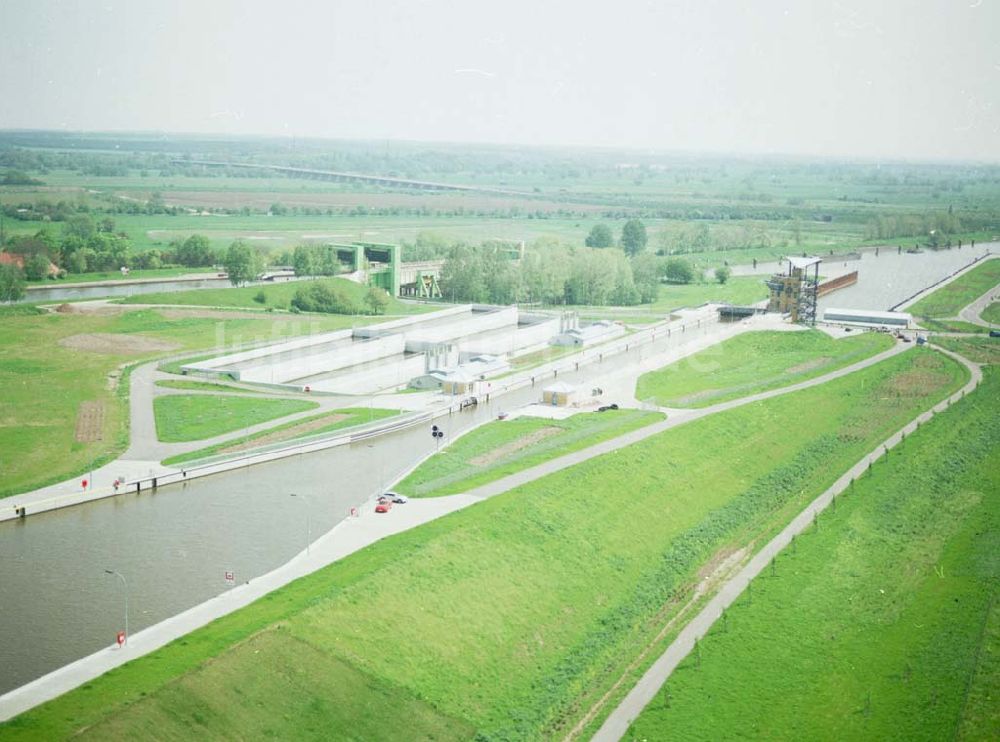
(902, 78)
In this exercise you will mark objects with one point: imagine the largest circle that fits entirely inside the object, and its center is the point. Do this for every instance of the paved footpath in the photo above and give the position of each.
(973, 312)
(617, 723)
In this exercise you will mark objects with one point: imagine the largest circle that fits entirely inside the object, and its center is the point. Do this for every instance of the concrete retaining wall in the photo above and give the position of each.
(317, 363)
(214, 364)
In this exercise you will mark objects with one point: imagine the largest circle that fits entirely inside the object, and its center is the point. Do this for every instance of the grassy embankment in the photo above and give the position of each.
(50, 364)
(978, 349)
(936, 310)
(194, 417)
(882, 624)
(992, 313)
(755, 362)
(316, 425)
(500, 448)
(513, 616)
(203, 386)
(277, 296)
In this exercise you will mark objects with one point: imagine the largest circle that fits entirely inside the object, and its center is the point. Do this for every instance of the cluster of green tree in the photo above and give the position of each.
(632, 242)
(553, 273)
(331, 299)
(87, 245)
(43, 210)
(923, 226)
(18, 178)
(11, 282)
(313, 260)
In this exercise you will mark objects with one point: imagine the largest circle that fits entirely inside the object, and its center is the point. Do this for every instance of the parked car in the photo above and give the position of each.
(384, 506)
(921, 340)
(396, 498)
(605, 408)
(995, 333)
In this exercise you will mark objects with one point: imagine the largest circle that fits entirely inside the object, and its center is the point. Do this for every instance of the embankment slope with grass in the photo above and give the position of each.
(194, 417)
(513, 616)
(503, 447)
(755, 362)
(881, 624)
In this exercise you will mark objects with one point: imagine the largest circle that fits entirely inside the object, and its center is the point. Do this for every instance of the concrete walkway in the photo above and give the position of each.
(618, 722)
(973, 312)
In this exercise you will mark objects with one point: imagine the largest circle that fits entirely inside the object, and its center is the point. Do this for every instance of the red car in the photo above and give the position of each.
(384, 506)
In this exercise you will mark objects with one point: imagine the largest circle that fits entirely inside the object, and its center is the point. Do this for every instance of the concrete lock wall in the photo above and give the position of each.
(373, 377)
(473, 323)
(510, 341)
(407, 322)
(317, 363)
(214, 364)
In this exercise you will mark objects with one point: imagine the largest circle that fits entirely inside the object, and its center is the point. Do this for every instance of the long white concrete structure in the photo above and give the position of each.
(388, 354)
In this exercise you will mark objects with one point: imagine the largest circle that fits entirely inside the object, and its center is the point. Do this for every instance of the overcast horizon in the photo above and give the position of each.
(712, 78)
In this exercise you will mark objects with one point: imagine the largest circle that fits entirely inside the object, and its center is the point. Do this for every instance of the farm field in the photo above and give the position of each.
(54, 365)
(521, 611)
(308, 426)
(500, 448)
(882, 624)
(194, 417)
(755, 362)
(951, 298)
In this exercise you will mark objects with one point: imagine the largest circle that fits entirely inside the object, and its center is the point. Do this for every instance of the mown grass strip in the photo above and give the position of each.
(951, 298)
(503, 447)
(882, 622)
(291, 431)
(193, 417)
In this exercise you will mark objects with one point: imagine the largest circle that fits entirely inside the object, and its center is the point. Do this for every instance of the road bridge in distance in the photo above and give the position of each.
(345, 177)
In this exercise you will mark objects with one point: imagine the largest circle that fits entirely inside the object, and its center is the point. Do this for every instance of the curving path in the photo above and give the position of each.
(617, 723)
(973, 312)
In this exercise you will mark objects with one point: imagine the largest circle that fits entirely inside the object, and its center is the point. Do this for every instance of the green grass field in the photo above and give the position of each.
(308, 426)
(50, 364)
(202, 386)
(511, 617)
(194, 417)
(992, 313)
(951, 298)
(980, 350)
(500, 448)
(277, 296)
(883, 624)
(755, 362)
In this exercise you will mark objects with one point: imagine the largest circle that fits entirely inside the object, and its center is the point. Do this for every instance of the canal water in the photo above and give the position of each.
(886, 279)
(174, 545)
(56, 292)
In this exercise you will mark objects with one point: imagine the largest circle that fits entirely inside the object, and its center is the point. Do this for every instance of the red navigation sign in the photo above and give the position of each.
(230, 577)
(120, 638)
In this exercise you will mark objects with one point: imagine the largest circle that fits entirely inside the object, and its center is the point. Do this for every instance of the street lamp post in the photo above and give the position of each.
(125, 590)
(308, 524)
